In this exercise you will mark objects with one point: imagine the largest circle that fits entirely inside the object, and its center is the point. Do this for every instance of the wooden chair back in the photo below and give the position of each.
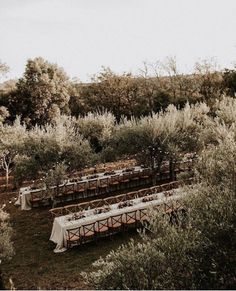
(131, 195)
(110, 200)
(83, 206)
(69, 188)
(129, 217)
(74, 234)
(96, 203)
(81, 186)
(71, 208)
(120, 198)
(103, 182)
(88, 230)
(115, 221)
(143, 214)
(114, 179)
(55, 212)
(144, 192)
(102, 225)
(93, 184)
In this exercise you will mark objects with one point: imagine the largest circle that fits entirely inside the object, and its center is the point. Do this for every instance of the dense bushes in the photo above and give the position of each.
(197, 253)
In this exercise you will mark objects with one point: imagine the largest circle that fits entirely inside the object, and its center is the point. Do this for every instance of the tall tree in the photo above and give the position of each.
(41, 94)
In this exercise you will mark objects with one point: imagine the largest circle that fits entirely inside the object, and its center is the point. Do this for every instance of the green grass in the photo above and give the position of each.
(35, 265)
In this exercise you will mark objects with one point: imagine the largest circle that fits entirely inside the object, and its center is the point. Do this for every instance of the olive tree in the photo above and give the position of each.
(11, 140)
(190, 253)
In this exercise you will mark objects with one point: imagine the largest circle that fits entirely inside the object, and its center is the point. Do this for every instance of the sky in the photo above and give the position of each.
(83, 35)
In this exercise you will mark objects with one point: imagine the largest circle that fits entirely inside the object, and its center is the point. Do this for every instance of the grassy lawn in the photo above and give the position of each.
(35, 265)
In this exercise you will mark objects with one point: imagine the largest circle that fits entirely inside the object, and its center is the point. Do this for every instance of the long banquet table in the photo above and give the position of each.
(25, 193)
(63, 223)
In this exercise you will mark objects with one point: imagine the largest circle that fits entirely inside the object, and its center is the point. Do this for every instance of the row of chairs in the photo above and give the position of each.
(92, 188)
(107, 167)
(59, 211)
(104, 227)
(115, 224)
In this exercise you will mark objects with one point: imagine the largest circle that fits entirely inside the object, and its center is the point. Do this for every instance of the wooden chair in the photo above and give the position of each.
(142, 215)
(114, 182)
(92, 188)
(71, 208)
(124, 180)
(129, 218)
(83, 206)
(101, 227)
(168, 207)
(37, 198)
(145, 176)
(166, 187)
(177, 206)
(103, 186)
(73, 236)
(110, 200)
(59, 193)
(80, 189)
(87, 232)
(115, 223)
(165, 175)
(155, 189)
(143, 192)
(55, 212)
(96, 203)
(69, 191)
(131, 195)
(134, 179)
(120, 198)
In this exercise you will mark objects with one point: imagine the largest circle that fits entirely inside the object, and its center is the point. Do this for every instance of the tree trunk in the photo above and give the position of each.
(7, 177)
(172, 169)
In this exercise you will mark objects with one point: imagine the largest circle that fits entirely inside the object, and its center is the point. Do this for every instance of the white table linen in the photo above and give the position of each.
(62, 223)
(25, 192)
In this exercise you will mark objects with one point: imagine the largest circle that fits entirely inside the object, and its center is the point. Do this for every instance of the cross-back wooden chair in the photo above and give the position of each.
(110, 200)
(156, 189)
(135, 179)
(141, 215)
(92, 188)
(115, 223)
(69, 190)
(59, 192)
(103, 185)
(145, 176)
(83, 206)
(73, 236)
(102, 227)
(37, 198)
(71, 208)
(177, 206)
(131, 195)
(130, 218)
(96, 203)
(125, 180)
(55, 212)
(143, 192)
(114, 182)
(166, 187)
(168, 207)
(120, 198)
(88, 232)
(80, 190)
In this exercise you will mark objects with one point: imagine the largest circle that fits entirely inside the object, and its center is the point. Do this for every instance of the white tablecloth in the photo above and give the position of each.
(25, 192)
(62, 223)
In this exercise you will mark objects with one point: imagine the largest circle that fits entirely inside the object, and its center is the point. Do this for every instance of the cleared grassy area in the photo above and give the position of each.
(35, 265)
